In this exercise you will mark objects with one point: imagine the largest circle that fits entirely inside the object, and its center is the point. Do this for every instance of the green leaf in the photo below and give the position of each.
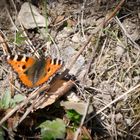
(2, 134)
(19, 98)
(12, 103)
(5, 101)
(20, 38)
(74, 116)
(51, 130)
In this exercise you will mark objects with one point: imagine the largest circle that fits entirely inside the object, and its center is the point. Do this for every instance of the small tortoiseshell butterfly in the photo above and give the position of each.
(32, 71)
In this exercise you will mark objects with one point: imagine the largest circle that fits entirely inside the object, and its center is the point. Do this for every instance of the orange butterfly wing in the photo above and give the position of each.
(51, 67)
(20, 65)
(27, 69)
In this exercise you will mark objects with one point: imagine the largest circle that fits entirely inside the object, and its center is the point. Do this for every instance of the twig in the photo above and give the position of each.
(129, 134)
(118, 7)
(82, 121)
(3, 44)
(55, 92)
(134, 126)
(127, 35)
(94, 52)
(82, 16)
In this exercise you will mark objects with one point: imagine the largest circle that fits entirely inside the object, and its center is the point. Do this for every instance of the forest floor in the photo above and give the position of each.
(95, 94)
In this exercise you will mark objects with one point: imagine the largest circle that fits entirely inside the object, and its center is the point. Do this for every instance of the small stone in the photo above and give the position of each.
(129, 122)
(119, 50)
(77, 106)
(26, 18)
(119, 118)
(76, 38)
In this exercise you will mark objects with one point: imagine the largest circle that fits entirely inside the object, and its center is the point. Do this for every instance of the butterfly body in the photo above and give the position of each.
(32, 71)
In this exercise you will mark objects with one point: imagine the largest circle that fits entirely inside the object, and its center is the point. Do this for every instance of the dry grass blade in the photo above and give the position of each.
(82, 121)
(4, 45)
(127, 35)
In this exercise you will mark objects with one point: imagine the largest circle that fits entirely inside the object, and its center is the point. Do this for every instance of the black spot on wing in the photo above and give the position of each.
(19, 58)
(49, 69)
(11, 57)
(27, 58)
(23, 67)
(51, 61)
(59, 62)
(55, 61)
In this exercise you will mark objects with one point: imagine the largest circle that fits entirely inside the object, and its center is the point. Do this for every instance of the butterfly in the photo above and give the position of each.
(32, 71)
